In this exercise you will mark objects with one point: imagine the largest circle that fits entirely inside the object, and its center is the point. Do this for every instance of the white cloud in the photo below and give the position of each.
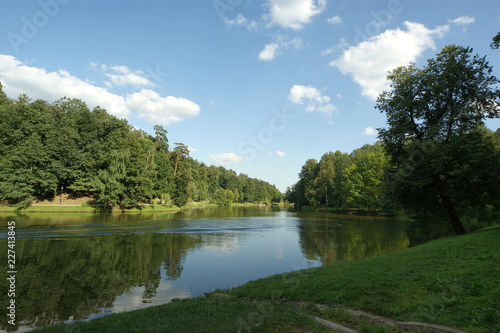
(334, 20)
(269, 52)
(328, 109)
(299, 92)
(327, 51)
(122, 76)
(241, 20)
(192, 150)
(370, 61)
(129, 79)
(161, 110)
(280, 153)
(463, 20)
(274, 49)
(226, 158)
(369, 131)
(37, 83)
(293, 14)
(312, 97)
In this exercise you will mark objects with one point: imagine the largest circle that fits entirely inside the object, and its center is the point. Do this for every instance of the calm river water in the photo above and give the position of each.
(80, 266)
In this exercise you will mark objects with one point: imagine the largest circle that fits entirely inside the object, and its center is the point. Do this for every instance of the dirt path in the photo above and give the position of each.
(362, 315)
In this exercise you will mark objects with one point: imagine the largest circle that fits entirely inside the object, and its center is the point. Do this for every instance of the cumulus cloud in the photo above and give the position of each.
(269, 52)
(335, 20)
(312, 97)
(122, 75)
(280, 153)
(161, 110)
(226, 158)
(463, 20)
(274, 49)
(293, 14)
(298, 93)
(369, 62)
(38, 83)
(369, 131)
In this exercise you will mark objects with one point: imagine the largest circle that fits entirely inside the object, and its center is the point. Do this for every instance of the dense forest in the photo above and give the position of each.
(341, 180)
(64, 147)
(436, 160)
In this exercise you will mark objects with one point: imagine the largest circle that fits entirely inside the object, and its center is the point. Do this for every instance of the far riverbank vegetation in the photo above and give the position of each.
(436, 161)
(64, 148)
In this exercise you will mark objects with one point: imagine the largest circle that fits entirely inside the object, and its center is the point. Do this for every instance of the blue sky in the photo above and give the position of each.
(256, 86)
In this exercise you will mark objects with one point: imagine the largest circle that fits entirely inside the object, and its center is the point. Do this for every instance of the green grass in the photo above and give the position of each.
(200, 204)
(87, 209)
(452, 282)
(201, 315)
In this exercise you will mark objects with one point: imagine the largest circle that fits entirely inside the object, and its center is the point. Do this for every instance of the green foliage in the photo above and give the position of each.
(166, 200)
(49, 148)
(443, 159)
(223, 197)
(340, 180)
(180, 192)
(161, 140)
(110, 182)
(495, 44)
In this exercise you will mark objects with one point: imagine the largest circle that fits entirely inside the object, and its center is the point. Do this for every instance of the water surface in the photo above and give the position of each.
(82, 266)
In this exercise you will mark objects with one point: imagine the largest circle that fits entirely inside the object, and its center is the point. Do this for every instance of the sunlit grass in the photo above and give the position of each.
(452, 282)
(201, 315)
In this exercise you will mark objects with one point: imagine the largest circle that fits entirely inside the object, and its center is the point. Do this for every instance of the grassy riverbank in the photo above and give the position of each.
(451, 281)
(88, 209)
(82, 205)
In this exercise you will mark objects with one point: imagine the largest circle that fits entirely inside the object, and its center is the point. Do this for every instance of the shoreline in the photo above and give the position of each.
(79, 209)
(445, 284)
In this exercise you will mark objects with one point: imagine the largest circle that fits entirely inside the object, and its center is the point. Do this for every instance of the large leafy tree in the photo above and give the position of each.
(325, 178)
(435, 137)
(371, 162)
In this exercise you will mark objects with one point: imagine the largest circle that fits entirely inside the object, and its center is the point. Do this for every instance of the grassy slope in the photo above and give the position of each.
(452, 281)
(200, 315)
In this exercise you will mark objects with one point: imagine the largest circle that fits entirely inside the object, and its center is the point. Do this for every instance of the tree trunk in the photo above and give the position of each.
(176, 160)
(456, 224)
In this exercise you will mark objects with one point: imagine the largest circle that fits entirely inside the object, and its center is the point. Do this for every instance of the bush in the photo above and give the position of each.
(166, 200)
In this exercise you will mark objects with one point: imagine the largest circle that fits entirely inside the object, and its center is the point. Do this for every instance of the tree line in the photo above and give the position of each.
(436, 160)
(64, 147)
(341, 180)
